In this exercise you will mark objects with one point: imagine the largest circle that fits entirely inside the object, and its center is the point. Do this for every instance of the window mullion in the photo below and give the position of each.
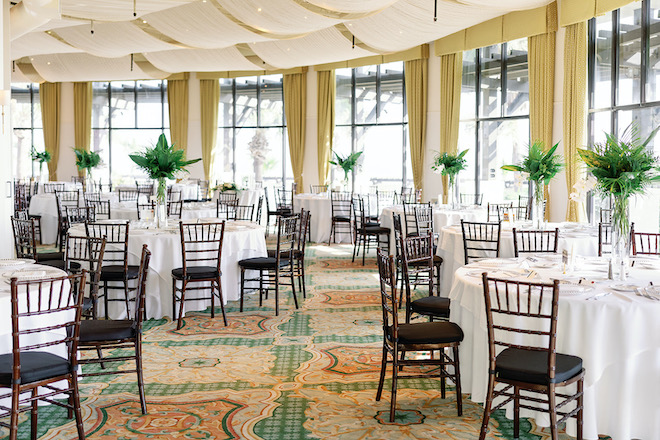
(615, 69)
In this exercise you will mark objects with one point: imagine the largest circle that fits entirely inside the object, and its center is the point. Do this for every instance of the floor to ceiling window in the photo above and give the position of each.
(371, 117)
(252, 141)
(624, 87)
(127, 116)
(494, 124)
(27, 129)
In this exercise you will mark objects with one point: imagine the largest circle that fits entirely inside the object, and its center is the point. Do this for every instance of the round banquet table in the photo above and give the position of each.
(189, 191)
(320, 207)
(191, 210)
(241, 240)
(581, 239)
(615, 332)
(443, 216)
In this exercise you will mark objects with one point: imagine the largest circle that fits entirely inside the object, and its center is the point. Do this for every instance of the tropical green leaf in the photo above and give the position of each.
(162, 161)
(540, 166)
(512, 168)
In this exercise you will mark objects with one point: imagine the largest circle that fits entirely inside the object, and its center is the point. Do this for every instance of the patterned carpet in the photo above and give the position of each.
(309, 373)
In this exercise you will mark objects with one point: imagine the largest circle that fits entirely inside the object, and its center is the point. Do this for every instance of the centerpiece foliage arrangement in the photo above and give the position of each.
(41, 157)
(623, 167)
(162, 162)
(541, 167)
(450, 165)
(347, 163)
(86, 160)
(226, 186)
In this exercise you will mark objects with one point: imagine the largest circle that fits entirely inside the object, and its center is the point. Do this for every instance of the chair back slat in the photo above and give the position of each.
(496, 211)
(201, 244)
(259, 208)
(25, 242)
(318, 189)
(341, 203)
(53, 187)
(116, 235)
(481, 239)
(409, 216)
(521, 314)
(535, 241)
(471, 199)
(175, 208)
(645, 243)
(424, 220)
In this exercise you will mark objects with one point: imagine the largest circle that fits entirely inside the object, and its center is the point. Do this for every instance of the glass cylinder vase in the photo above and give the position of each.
(538, 205)
(621, 237)
(161, 204)
(452, 194)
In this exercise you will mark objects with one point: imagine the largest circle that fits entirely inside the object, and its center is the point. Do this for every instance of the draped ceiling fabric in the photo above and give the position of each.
(326, 94)
(416, 81)
(82, 116)
(209, 90)
(49, 97)
(574, 107)
(295, 110)
(177, 100)
(542, 92)
(451, 77)
(176, 36)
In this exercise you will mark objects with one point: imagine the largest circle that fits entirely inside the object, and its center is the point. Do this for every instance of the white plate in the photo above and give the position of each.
(543, 264)
(25, 275)
(624, 287)
(496, 262)
(574, 289)
(14, 262)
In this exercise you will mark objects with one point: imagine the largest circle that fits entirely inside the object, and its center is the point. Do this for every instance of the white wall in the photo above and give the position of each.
(432, 182)
(6, 190)
(66, 164)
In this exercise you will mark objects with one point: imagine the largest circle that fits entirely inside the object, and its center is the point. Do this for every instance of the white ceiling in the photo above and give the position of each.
(53, 40)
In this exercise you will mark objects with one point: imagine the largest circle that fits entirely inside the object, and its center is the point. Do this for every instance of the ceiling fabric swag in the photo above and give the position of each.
(199, 60)
(84, 67)
(39, 43)
(295, 110)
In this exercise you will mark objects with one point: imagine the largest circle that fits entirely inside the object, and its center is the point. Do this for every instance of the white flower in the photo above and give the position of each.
(577, 197)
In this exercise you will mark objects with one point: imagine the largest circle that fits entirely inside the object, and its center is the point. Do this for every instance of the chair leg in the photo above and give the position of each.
(140, 378)
(365, 247)
(457, 383)
(395, 367)
(516, 412)
(33, 414)
(580, 414)
(212, 302)
(179, 322)
(13, 424)
(277, 292)
(99, 354)
(221, 298)
(302, 277)
(487, 406)
(76, 406)
(383, 368)
(553, 411)
(174, 314)
(242, 287)
(293, 285)
(128, 308)
(105, 298)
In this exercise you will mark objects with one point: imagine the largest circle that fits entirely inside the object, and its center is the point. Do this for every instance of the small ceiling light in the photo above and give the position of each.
(91, 28)
(48, 63)
(134, 8)
(258, 9)
(144, 21)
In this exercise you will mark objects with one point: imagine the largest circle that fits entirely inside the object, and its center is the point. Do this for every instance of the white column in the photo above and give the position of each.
(6, 177)
(432, 182)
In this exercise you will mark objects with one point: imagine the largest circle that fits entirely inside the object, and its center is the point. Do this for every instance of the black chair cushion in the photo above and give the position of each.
(532, 366)
(35, 366)
(101, 330)
(262, 263)
(428, 333)
(196, 272)
(376, 230)
(341, 218)
(115, 272)
(296, 253)
(53, 263)
(431, 305)
(44, 256)
(437, 260)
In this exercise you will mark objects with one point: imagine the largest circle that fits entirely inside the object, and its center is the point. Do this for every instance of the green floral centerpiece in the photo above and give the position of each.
(41, 157)
(162, 162)
(450, 165)
(541, 167)
(226, 186)
(347, 163)
(87, 160)
(623, 167)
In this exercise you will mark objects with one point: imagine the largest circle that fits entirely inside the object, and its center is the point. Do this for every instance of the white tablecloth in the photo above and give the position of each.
(241, 240)
(442, 216)
(321, 209)
(617, 336)
(189, 191)
(68, 186)
(582, 240)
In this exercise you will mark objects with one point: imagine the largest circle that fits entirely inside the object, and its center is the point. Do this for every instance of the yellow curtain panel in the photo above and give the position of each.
(416, 72)
(575, 80)
(177, 101)
(82, 116)
(326, 90)
(209, 90)
(295, 107)
(49, 97)
(451, 75)
(541, 92)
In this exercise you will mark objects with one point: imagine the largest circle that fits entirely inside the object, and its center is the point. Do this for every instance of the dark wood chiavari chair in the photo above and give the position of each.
(645, 243)
(318, 189)
(175, 209)
(25, 244)
(535, 241)
(471, 199)
(86, 253)
(526, 312)
(496, 211)
(412, 337)
(341, 205)
(366, 234)
(481, 240)
(604, 238)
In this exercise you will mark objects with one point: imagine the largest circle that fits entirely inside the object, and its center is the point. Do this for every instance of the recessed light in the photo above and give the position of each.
(258, 9)
(144, 21)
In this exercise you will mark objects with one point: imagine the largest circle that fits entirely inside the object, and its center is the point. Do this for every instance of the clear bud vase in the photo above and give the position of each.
(538, 205)
(161, 204)
(621, 237)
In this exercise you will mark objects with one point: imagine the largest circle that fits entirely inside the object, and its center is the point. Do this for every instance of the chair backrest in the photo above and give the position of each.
(481, 239)
(645, 243)
(284, 199)
(417, 258)
(21, 198)
(145, 206)
(496, 211)
(227, 197)
(385, 198)
(604, 238)
(303, 227)
(533, 309)
(45, 313)
(127, 194)
(203, 190)
(226, 209)
(388, 297)
(87, 253)
(201, 244)
(286, 238)
(25, 242)
(318, 189)
(471, 199)
(409, 216)
(92, 196)
(535, 241)
(145, 188)
(77, 179)
(52, 187)
(605, 215)
(174, 209)
(424, 219)
(116, 234)
(101, 208)
(67, 198)
(173, 195)
(243, 212)
(141, 292)
(407, 195)
(259, 207)
(75, 215)
(523, 200)
(340, 202)
(358, 213)
(398, 234)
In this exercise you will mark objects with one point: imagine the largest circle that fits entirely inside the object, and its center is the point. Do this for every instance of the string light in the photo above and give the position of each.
(131, 62)
(134, 8)
(353, 42)
(435, 11)
(91, 29)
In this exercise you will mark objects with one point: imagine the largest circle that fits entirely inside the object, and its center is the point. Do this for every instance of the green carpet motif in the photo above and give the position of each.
(310, 373)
